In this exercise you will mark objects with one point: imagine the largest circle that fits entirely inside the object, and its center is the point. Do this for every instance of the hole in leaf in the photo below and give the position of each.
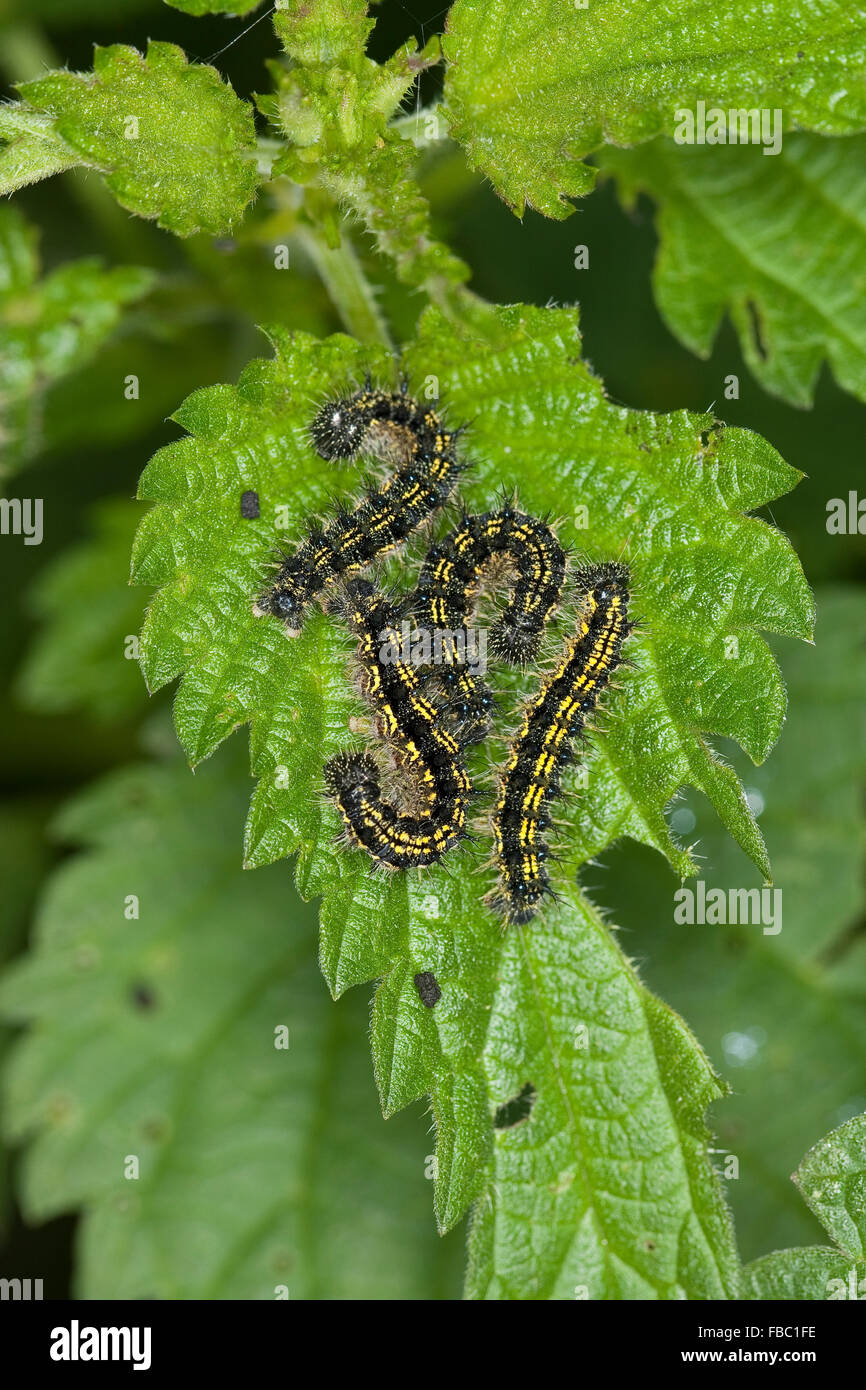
(143, 997)
(516, 1111)
(757, 331)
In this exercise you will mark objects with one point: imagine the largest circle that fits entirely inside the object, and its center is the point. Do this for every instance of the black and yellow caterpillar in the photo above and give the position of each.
(551, 724)
(395, 838)
(427, 713)
(396, 429)
(448, 584)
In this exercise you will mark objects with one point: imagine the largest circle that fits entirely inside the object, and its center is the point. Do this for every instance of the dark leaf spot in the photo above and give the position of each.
(250, 505)
(143, 997)
(428, 988)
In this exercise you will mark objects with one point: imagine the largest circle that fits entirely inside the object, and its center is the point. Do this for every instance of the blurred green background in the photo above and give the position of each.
(782, 1018)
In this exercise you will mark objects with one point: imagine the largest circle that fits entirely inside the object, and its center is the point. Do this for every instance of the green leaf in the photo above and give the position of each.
(672, 487)
(832, 1179)
(49, 327)
(24, 859)
(780, 1012)
(171, 137)
(606, 1214)
(30, 149)
(531, 89)
(156, 1038)
(333, 106)
(200, 7)
(676, 488)
(779, 244)
(84, 652)
(332, 32)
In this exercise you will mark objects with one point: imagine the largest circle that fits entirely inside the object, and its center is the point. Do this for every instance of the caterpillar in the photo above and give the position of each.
(430, 754)
(551, 723)
(448, 583)
(398, 430)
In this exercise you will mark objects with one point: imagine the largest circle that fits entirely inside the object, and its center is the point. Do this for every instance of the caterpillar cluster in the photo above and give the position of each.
(427, 712)
(397, 430)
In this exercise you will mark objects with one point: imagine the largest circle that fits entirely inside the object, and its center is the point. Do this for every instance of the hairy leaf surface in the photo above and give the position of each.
(532, 88)
(171, 138)
(671, 489)
(260, 1166)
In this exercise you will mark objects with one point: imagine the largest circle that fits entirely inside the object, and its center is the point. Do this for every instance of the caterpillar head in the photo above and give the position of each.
(338, 430)
(286, 601)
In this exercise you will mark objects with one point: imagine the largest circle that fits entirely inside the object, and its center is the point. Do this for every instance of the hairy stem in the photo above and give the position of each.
(350, 291)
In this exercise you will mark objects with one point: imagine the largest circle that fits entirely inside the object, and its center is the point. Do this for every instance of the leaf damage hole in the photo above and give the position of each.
(250, 509)
(428, 988)
(757, 330)
(517, 1110)
(143, 997)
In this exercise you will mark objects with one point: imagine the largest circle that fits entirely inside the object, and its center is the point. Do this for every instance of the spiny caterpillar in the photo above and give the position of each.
(449, 582)
(398, 430)
(551, 723)
(432, 756)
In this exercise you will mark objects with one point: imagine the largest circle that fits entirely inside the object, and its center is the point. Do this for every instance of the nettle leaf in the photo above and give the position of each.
(200, 7)
(674, 489)
(832, 1180)
(30, 148)
(49, 327)
(531, 89)
(333, 106)
(158, 1038)
(779, 243)
(84, 649)
(325, 31)
(777, 997)
(171, 137)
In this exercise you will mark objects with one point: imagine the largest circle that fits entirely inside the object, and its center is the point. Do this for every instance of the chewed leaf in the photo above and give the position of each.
(671, 491)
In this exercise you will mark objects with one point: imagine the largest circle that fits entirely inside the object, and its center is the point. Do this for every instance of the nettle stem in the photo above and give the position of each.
(351, 293)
